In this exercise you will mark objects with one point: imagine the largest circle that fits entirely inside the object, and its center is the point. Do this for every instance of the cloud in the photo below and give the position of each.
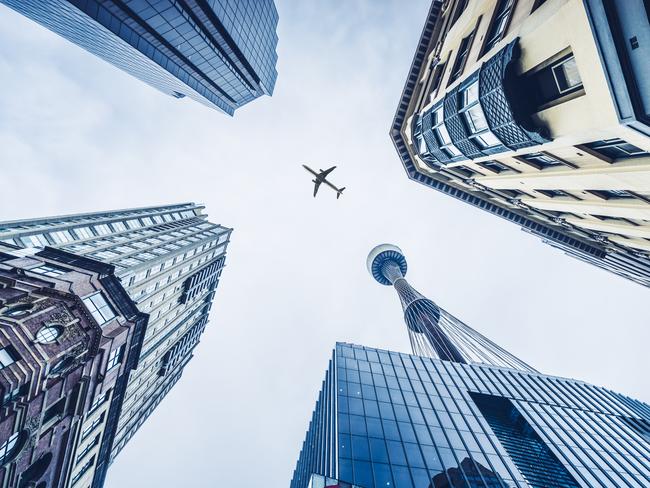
(78, 135)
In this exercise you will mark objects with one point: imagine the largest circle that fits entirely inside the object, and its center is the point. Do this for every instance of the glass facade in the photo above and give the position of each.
(169, 259)
(390, 419)
(218, 52)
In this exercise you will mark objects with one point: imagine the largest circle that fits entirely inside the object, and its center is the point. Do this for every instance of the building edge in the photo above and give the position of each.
(631, 265)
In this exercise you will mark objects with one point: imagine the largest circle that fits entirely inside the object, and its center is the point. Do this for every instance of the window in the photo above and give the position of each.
(555, 193)
(616, 149)
(49, 333)
(88, 448)
(436, 78)
(84, 469)
(8, 356)
(475, 118)
(37, 240)
(49, 270)
(499, 23)
(18, 310)
(12, 395)
(9, 447)
(522, 442)
(62, 365)
(115, 358)
(460, 8)
(566, 75)
(464, 172)
(461, 57)
(105, 255)
(555, 80)
(98, 401)
(99, 308)
(494, 166)
(55, 411)
(541, 160)
(61, 237)
(86, 432)
(612, 194)
(83, 232)
(442, 134)
(102, 229)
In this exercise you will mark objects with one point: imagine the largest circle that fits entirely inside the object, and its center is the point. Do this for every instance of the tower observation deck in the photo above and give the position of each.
(433, 331)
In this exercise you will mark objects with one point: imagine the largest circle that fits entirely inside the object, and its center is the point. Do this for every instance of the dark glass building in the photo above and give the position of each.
(218, 52)
(388, 419)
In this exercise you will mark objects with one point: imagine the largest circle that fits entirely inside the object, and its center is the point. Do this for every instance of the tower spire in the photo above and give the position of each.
(433, 331)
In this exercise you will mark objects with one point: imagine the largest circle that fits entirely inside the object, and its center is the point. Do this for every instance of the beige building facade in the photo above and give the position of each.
(537, 111)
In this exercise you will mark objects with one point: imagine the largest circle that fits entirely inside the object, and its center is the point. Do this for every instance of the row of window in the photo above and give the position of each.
(174, 211)
(84, 469)
(113, 229)
(496, 31)
(567, 418)
(607, 149)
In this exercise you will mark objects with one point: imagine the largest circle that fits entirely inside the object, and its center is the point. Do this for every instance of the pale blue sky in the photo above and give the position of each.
(78, 135)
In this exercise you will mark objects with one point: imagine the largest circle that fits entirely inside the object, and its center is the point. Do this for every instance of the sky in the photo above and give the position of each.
(78, 135)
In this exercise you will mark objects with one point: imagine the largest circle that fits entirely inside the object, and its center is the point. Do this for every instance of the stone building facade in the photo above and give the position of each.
(69, 335)
(538, 111)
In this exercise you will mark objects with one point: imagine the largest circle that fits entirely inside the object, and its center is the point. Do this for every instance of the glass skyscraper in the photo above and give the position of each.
(387, 419)
(169, 259)
(218, 52)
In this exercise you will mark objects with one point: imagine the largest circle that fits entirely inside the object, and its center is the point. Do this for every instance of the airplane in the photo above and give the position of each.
(322, 178)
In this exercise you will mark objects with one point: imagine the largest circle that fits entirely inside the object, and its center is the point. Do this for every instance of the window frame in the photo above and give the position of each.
(540, 165)
(49, 269)
(607, 143)
(45, 329)
(9, 447)
(93, 425)
(458, 66)
(544, 86)
(115, 357)
(611, 195)
(466, 108)
(97, 310)
(12, 356)
(485, 164)
(558, 64)
(490, 37)
(556, 194)
(18, 311)
(448, 147)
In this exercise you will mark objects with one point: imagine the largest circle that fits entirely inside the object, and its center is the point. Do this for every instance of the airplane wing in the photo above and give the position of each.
(324, 173)
(316, 186)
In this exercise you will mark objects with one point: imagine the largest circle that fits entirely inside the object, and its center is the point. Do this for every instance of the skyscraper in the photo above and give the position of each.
(169, 260)
(539, 113)
(218, 52)
(464, 413)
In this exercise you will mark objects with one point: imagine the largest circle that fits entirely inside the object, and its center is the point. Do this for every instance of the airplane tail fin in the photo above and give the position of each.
(338, 193)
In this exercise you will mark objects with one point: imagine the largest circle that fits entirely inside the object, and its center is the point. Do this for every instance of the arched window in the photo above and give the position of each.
(62, 365)
(49, 333)
(36, 470)
(18, 310)
(11, 447)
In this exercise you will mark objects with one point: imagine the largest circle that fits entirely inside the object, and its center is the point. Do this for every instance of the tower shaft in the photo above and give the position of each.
(434, 332)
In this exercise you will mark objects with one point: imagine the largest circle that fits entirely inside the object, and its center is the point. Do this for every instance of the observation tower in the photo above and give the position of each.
(433, 331)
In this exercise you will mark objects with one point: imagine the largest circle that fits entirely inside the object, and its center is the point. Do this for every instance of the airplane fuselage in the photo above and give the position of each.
(321, 177)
